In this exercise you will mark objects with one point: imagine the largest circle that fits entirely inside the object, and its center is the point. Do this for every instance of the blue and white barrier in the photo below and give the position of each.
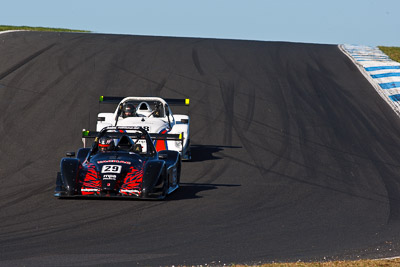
(382, 72)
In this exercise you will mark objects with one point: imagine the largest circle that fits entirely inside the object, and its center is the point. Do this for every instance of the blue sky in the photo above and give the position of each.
(362, 22)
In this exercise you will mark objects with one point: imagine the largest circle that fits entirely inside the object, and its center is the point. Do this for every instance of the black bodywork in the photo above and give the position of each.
(133, 169)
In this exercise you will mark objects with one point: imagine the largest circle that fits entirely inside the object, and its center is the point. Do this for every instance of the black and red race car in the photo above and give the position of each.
(122, 162)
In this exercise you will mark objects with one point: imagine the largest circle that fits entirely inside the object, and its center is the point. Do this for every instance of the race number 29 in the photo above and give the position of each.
(111, 169)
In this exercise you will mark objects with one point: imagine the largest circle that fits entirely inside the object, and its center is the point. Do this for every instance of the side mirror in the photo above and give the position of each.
(70, 154)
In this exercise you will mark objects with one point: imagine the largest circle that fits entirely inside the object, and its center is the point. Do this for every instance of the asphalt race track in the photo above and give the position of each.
(295, 156)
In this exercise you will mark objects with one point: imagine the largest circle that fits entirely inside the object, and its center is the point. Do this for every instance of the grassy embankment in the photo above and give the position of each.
(392, 52)
(360, 263)
(42, 29)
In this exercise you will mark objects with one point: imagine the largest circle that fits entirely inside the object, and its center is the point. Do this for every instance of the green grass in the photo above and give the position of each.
(42, 29)
(360, 263)
(392, 52)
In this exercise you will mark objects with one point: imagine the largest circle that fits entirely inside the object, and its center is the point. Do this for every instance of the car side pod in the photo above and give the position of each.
(69, 174)
(173, 163)
(154, 179)
(171, 157)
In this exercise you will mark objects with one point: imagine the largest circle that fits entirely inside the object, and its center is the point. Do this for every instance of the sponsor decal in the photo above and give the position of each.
(109, 177)
(89, 190)
(127, 192)
(113, 161)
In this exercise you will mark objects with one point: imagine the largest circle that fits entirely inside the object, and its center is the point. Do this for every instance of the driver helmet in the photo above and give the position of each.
(106, 144)
(128, 110)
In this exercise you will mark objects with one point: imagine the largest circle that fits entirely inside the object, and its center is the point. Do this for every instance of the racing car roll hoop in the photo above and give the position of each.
(122, 163)
(152, 114)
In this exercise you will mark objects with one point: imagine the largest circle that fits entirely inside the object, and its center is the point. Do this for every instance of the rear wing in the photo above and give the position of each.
(166, 137)
(170, 101)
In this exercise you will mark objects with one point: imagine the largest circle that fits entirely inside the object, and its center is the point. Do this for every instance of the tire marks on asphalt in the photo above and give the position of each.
(25, 61)
(196, 61)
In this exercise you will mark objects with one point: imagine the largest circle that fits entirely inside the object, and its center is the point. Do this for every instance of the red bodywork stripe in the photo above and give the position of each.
(133, 180)
(91, 181)
(161, 144)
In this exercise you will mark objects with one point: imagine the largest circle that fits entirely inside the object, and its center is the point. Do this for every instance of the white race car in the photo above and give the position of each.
(155, 116)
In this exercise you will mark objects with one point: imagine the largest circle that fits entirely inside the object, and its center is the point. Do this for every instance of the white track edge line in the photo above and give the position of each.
(369, 78)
